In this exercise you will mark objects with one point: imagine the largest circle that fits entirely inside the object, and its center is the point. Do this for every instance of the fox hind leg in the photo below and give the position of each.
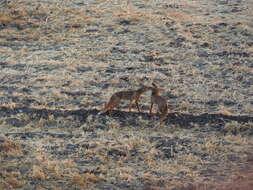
(130, 105)
(114, 101)
(163, 115)
(137, 105)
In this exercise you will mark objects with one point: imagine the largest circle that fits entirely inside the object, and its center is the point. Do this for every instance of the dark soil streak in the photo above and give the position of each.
(180, 119)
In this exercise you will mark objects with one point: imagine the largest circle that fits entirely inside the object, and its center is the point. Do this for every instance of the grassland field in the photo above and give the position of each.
(60, 62)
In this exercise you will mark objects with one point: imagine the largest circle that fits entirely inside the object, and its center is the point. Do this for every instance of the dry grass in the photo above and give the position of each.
(38, 173)
(85, 180)
(60, 60)
(11, 149)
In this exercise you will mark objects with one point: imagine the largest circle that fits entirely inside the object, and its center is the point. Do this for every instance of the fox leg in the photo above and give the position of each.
(137, 105)
(107, 108)
(163, 115)
(114, 101)
(110, 108)
(151, 107)
(110, 111)
(161, 119)
(130, 105)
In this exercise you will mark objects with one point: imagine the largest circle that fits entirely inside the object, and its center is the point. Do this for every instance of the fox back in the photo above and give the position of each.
(132, 94)
(126, 95)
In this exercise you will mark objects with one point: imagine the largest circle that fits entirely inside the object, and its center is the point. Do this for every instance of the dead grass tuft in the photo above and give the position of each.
(11, 148)
(154, 182)
(14, 182)
(239, 130)
(53, 168)
(225, 111)
(85, 180)
(213, 147)
(10, 145)
(15, 16)
(131, 13)
(38, 173)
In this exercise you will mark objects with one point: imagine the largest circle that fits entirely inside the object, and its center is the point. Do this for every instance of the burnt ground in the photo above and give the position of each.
(216, 122)
(60, 61)
(83, 149)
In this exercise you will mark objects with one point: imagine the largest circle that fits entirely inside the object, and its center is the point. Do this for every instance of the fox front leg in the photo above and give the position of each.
(137, 105)
(151, 107)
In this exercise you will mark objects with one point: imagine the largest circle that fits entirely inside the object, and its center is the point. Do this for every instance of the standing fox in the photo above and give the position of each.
(160, 101)
(131, 95)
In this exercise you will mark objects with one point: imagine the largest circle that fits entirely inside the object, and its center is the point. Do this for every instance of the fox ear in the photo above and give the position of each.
(154, 85)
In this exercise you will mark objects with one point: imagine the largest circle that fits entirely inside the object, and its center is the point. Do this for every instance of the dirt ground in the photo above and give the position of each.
(60, 62)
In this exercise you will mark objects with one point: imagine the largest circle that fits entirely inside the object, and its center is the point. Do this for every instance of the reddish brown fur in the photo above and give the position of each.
(160, 101)
(131, 95)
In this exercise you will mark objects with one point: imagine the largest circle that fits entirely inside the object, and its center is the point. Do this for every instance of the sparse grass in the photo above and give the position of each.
(62, 60)
(85, 180)
(127, 156)
(38, 173)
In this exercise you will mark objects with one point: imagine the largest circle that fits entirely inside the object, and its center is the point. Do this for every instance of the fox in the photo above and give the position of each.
(132, 95)
(160, 101)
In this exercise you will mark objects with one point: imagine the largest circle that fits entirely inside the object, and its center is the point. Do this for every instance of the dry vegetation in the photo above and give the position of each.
(60, 61)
